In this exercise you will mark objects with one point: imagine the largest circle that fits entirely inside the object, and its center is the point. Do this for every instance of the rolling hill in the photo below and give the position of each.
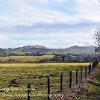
(44, 50)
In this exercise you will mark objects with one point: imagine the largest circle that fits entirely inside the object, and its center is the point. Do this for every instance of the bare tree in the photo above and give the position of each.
(97, 38)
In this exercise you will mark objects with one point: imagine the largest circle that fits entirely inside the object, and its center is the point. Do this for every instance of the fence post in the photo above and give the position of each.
(70, 80)
(48, 83)
(28, 91)
(86, 72)
(93, 66)
(81, 73)
(89, 69)
(76, 77)
(61, 82)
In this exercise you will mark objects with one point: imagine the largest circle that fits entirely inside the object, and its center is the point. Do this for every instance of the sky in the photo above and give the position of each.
(52, 23)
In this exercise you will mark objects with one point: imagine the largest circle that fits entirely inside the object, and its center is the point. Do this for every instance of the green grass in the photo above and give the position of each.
(36, 74)
(25, 59)
(93, 91)
(94, 87)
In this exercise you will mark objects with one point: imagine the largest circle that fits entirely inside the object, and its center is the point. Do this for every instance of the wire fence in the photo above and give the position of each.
(58, 84)
(49, 87)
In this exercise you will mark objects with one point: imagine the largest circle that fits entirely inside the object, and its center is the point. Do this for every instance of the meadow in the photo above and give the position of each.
(14, 78)
(25, 59)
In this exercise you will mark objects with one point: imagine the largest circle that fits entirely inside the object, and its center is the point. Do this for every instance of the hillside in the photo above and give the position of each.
(81, 49)
(29, 48)
(39, 49)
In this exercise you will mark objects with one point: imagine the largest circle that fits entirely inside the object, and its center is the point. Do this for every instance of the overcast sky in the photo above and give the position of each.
(52, 23)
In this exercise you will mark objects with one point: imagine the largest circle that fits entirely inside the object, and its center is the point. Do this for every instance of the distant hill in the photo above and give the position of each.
(33, 49)
(30, 48)
(82, 49)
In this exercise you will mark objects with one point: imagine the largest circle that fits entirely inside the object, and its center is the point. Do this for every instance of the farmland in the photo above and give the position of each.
(15, 77)
(25, 59)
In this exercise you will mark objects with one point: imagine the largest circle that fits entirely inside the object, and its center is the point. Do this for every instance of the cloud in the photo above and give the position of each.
(25, 1)
(41, 1)
(60, 1)
(51, 27)
(59, 39)
(4, 40)
(88, 10)
(26, 14)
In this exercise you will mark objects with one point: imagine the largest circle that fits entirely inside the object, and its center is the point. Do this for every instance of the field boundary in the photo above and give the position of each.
(71, 85)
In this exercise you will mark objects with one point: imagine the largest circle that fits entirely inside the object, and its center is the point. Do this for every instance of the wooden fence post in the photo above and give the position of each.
(92, 66)
(70, 80)
(28, 91)
(61, 82)
(89, 67)
(86, 72)
(76, 77)
(48, 84)
(81, 73)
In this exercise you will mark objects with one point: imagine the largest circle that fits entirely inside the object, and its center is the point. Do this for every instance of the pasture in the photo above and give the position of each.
(25, 59)
(15, 77)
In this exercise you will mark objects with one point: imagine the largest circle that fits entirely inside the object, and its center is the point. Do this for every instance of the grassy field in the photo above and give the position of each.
(25, 59)
(14, 78)
(94, 87)
(92, 91)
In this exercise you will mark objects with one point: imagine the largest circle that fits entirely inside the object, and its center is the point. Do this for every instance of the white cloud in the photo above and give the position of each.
(26, 14)
(4, 39)
(28, 1)
(60, 1)
(61, 39)
(88, 10)
(42, 1)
